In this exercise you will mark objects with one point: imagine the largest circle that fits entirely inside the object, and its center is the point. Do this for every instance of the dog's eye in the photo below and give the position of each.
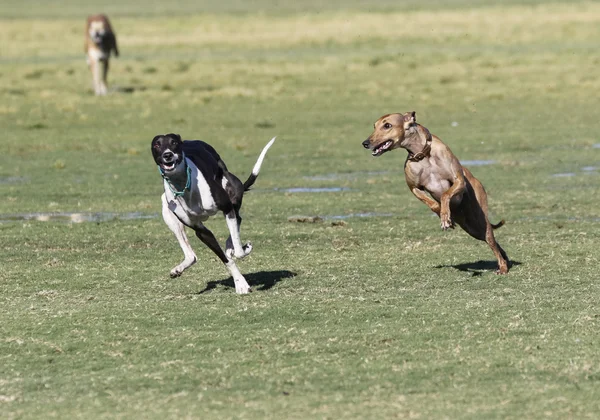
(387, 126)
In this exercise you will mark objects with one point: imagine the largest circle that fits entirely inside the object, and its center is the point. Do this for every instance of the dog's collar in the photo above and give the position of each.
(416, 157)
(188, 183)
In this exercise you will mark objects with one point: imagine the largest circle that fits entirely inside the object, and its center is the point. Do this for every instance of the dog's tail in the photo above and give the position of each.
(252, 178)
(499, 224)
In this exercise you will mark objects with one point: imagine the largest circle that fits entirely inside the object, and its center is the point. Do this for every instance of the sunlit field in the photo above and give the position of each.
(362, 307)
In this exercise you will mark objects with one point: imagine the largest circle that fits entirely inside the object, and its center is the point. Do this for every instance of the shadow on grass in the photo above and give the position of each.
(479, 267)
(262, 280)
(128, 89)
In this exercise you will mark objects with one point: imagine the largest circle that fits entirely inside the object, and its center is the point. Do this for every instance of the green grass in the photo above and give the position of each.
(380, 317)
(158, 8)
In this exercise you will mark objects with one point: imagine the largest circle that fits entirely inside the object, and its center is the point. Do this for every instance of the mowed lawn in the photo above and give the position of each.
(370, 310)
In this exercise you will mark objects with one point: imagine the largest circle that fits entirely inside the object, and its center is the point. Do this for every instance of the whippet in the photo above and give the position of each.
(198, 185)
(100, 41)
(436, 177)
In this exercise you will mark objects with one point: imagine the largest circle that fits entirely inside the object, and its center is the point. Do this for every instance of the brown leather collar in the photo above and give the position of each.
(416, 157)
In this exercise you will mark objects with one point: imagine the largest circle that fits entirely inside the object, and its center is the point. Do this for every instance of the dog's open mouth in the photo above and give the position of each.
(168, 166)
(382, 148)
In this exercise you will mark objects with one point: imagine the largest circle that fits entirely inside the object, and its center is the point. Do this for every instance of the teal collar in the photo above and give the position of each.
(188, 184)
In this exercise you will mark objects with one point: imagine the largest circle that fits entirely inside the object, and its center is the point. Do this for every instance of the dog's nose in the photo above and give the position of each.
(366, 143)
(167, 155)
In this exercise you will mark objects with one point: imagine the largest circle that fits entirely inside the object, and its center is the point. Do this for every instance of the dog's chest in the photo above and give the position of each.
(437, 187)
(423, 175)
(196, 205)
(95, 53)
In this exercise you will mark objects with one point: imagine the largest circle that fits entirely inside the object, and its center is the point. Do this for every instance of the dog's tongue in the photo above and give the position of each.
(383, 147)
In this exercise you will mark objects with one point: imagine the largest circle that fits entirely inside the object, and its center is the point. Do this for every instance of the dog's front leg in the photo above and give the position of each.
(234, 240)
(96, 75)
(103, 80)
(206, 236)
(457, 189)
(178, 229)
(430, 202)
(445, 216)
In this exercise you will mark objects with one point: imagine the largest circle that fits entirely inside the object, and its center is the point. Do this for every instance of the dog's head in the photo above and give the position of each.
(97, 31)
(389, 132)
(167, 151)
(98, 28)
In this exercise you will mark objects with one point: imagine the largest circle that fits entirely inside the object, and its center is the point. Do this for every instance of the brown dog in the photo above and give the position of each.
(455, 195)
(100, 40)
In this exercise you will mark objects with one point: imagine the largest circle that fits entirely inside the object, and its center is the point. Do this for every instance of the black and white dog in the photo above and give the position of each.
(198, 185)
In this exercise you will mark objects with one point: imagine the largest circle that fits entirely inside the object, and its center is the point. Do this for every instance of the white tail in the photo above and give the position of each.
(261, 157)
(257, 165)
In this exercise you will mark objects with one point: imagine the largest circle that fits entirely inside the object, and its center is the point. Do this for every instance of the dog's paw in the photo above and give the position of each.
(240, 255)
(229, 253)
(185, 264)
(446, 222)
(242, 290)
(242, 287)
(176, 272)
(246, 250)
(502, 270)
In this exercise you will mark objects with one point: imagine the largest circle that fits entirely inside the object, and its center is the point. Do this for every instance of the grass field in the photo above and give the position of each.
(372, 312)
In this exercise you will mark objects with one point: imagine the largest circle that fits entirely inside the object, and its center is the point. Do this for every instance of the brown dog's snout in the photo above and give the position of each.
(367, 143)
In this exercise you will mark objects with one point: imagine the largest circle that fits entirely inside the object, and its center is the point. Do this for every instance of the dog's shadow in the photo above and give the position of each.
(262, 280)
(479, 267)
(127, 89)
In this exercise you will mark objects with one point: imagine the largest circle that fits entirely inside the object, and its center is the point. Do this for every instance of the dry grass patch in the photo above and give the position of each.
(504, 26)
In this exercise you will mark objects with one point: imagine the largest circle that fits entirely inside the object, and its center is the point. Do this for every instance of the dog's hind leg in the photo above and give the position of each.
(497, 250)
(234, 247)
(178, 229)
(206, 236)
(235, 191)
(229, 242)
(480, 227)
(476, 224)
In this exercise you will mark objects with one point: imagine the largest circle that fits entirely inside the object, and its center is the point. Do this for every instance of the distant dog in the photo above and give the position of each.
(100, 40)
(198, 185)
(455, 195)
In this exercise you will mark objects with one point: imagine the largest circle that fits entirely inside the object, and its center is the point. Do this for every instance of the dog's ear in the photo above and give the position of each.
(154, 140)
(154, 146)
(410, 118)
